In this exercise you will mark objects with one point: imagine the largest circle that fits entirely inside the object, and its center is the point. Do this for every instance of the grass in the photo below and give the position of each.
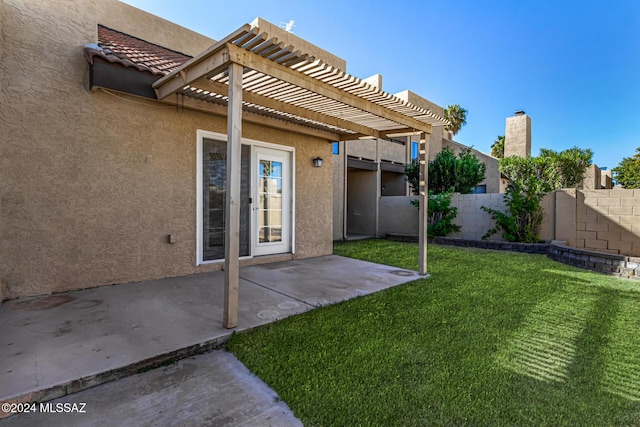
(491, 338)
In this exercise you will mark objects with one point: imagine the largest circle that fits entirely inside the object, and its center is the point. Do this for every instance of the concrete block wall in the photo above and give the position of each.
(609, 221)
(565, 217)
(606, 179)
(397, 216)
(475, 222)
(606, 221)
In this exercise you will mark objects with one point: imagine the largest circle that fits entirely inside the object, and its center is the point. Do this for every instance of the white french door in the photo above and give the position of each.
(271, 201)
(266, 198)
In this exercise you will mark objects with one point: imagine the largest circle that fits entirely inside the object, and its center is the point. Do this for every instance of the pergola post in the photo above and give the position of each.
(232, 206)
(423, 199)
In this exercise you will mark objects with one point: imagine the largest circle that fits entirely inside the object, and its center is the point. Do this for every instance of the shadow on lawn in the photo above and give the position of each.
(583, 334)
(622, 370)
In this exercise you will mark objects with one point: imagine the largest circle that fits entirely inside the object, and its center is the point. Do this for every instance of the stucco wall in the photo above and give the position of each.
(377, 150)
(392, 151)
(91, 184)
(435, 141)
(338, 166)
(291, 39)
(517, 139)
(128, 19)
(392, 184)
(361, 201)
(592, 178)
(365, 149)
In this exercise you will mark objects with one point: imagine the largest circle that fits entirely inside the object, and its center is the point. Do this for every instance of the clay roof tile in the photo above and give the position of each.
(130, 51)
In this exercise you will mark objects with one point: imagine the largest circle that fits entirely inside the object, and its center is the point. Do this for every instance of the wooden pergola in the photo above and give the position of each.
(253, 77)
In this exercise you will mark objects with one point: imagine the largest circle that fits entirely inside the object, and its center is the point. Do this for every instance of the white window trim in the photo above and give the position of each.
(201, 134)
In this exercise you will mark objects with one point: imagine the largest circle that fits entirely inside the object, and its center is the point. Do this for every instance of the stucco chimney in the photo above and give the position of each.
(517, 138)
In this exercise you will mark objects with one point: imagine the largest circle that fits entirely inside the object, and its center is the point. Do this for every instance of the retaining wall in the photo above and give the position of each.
(612, 264)
(617, 265)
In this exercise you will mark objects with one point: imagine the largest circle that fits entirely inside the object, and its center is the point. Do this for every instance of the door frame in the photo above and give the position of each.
(201, 134)
(256, 152)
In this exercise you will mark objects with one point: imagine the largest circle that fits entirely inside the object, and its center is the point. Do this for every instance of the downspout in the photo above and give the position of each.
(344, 192)
(378, 185)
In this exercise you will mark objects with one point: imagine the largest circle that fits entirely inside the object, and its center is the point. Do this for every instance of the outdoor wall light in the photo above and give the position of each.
(317, 162)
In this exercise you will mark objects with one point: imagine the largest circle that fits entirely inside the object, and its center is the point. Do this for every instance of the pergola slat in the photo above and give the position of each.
(253, 61)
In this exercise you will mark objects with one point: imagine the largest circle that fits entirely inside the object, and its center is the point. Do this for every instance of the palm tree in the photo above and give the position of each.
(457, 116)
(497, 148)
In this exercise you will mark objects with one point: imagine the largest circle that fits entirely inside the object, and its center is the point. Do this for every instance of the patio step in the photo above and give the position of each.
(76, 385)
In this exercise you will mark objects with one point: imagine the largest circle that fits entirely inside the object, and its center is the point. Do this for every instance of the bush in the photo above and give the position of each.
(521, 222)
(530, 179)
(441, 214)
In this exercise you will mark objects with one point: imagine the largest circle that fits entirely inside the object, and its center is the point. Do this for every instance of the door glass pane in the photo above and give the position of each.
(214, 167)
(270, 201)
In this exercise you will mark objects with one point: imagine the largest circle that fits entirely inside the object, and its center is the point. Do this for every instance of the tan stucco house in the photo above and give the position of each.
(370, 186)
(135, 149)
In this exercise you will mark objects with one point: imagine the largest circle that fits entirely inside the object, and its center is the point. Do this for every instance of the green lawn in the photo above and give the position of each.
(492, 338)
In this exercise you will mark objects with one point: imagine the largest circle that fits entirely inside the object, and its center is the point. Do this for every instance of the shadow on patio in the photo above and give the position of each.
(59, 344)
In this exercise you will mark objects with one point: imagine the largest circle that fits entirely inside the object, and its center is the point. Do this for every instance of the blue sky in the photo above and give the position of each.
(572, 66)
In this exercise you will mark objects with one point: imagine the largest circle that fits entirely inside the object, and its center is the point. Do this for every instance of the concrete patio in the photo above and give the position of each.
(60, 344)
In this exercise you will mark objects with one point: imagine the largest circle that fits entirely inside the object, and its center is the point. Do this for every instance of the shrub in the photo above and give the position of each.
(441, 214)
(531, 178)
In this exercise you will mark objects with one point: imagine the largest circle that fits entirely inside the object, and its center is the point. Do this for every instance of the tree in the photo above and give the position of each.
(412, 172)
(497, 148)
(530, 179)
(567, 168)
(469, 172)
(627, 173)
(459, 173)
(457, 117)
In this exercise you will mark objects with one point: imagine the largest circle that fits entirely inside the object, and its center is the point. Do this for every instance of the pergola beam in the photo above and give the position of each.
(251, 117)
(193, 69)
(284, 107)
(217, 61)
(399, 132)
(354, 136)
